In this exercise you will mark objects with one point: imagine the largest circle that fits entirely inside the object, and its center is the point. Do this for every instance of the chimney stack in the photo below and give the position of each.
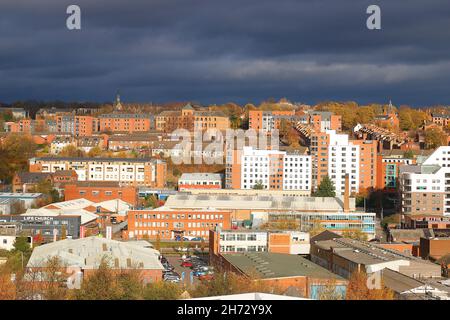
(347, 194)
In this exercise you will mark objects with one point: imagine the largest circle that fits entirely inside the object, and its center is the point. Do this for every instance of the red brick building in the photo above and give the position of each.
(99, 191)
(172, 223)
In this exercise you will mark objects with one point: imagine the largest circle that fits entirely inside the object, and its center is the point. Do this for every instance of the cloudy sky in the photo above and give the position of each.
(215, 51)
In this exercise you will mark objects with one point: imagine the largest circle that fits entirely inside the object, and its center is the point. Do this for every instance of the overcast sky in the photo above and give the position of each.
(215, 51)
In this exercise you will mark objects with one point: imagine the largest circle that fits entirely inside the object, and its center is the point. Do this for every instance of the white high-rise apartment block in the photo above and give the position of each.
(426, 187)
(343, 159)
(275, 169)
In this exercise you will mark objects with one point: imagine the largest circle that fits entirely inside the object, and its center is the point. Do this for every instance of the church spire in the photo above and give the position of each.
(117, 104)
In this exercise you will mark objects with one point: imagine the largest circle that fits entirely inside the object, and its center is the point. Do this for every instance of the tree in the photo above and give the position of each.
(357, 289)
(14, 154)
(71, 151)
(355, 235)
(158, 242)
(176, 172)
(408, 154)
(7, 287)
(231, 283)
(435, 137)
(46, 187)
(63, 232)
(258, 186)
(18, 207)
(316, 228)
(325, 188)
(150, 201)
(328, 290)
(162, 291)
(21, 244)
(101, 285)
(202, 245)
(95, 152)
(54, 286)
(130, 284)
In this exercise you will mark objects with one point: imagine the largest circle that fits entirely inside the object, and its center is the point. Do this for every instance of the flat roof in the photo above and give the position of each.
(268, 265)
(255, 202)
(87, 253)
(201, 176)
(78, 159)
(19, 195)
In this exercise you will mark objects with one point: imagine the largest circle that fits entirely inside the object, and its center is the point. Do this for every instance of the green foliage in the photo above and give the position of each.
(150, 201)
(391, 219)
(130, 285)
(326, 188)
(46, 187)
(21, 245)
(409, 154)
(6, 116)
(258, 186)
(105, 284)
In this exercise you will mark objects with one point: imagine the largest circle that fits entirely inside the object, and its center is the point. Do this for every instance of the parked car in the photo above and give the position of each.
(206, 277)
(203, 269)
(197, 239)
(168, 267)
(187, 264)
(171, 276)
(200, 272)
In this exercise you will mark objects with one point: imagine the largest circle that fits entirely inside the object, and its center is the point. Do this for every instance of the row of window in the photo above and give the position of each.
(179, 216)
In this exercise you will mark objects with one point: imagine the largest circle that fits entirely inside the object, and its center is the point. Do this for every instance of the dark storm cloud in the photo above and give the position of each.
(218, 51)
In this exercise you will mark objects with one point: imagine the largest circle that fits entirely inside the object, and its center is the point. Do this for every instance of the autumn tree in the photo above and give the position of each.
(202, 245)
(46, 188)
(95, 152)
(101, 285)
(71, 151)
(316, 228)
(7, 287)
(329, 290)
(355, 234)
(435, 137)
(326, 188)
(14, 154)
(357, 289)
(158, 242)
(63, 232)
(130, 285)
(162, 291)
(231, 283)
(54, 286)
